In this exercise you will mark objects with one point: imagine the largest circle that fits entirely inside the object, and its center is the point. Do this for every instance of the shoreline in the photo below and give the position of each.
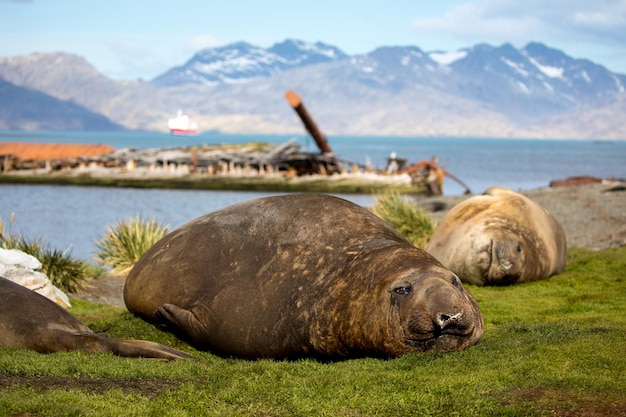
(252, 166)
(336, 183)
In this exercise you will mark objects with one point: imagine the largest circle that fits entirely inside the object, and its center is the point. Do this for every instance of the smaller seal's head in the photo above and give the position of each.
(499, 238)
(500, 260)
(436, 312)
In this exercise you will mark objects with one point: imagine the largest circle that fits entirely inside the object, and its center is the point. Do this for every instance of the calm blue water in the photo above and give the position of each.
(74, 218)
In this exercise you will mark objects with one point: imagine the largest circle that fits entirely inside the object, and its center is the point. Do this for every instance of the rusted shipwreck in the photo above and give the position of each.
(212, 159)
(246, 160)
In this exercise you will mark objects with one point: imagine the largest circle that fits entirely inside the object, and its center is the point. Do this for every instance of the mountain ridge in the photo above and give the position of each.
(241, 62)
(27, 109)
(483, 90)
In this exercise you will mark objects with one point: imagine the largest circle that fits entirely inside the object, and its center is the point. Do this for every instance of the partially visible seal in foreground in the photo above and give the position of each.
(498, 238)
(301, 275)
(31, 321)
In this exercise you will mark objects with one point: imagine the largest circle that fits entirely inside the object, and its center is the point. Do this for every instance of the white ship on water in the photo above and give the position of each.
(182, 124)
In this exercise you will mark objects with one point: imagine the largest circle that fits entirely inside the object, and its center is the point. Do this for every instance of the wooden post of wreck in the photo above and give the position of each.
(296, 102)
(194, 160)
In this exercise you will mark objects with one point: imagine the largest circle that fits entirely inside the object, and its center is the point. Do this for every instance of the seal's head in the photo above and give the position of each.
(498, 255)
(435, 312)
(414, 304)
(499, 238)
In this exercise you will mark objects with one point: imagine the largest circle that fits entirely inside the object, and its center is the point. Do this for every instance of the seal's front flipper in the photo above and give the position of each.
(181, 319)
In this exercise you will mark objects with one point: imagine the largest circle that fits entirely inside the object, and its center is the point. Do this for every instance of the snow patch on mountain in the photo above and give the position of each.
(318, 49)
(548, 87)
(517, 67)
(552, 72)
(586, 77)
(618, 84)
(447, 58)
(524, 89)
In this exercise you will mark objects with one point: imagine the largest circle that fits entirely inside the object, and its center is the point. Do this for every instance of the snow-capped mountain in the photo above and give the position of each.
(398, 67)
(243, 62)
(529, 83)
(534, 68)
(299, 53)
(535, 79)
(578, 75)
(483, 90)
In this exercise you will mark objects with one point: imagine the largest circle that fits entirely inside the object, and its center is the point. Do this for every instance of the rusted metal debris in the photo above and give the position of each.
(46, 151)
(583, 180)
(239, 160)
(314, 163)
(250, 159)
(254, 159)
(423, 172)
(296, 102)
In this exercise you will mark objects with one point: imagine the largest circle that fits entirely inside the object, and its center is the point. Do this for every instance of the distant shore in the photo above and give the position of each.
(243, 167)
(339, 183)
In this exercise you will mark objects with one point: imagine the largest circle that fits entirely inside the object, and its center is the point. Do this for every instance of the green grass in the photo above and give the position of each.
(551, 347)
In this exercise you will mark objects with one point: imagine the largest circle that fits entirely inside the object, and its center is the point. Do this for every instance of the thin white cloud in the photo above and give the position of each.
(136, 56)
(146, 55)
(521, 21)
(199, 42)
(126, 56)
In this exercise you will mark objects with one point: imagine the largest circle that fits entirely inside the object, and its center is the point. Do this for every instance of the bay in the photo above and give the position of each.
(73, 218)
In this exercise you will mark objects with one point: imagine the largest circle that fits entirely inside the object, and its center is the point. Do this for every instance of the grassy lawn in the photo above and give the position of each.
(553, 347)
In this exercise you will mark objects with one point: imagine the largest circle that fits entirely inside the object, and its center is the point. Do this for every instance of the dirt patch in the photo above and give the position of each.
(143, 386)
(560, 402)
(105, 290)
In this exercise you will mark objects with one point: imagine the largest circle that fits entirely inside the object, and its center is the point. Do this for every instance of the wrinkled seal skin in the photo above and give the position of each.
(301, 275)
(31, 321)
(499, 238)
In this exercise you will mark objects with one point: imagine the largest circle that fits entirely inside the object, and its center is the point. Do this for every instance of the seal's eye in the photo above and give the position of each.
(455, 281)
(403, 290)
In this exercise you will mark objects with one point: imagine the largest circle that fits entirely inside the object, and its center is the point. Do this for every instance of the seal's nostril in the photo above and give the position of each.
(444, 320)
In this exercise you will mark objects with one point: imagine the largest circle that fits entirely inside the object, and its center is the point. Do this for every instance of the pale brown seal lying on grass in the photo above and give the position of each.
(31, 321)
(301, 275)
(498, 238)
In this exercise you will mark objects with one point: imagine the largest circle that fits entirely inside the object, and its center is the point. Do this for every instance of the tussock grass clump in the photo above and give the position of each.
(126, 242)
(8, 239)
(64, 270)
(410, 221)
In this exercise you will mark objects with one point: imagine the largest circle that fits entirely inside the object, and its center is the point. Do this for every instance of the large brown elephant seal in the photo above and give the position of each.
(301, 275)
(31, 321)
(498, 238)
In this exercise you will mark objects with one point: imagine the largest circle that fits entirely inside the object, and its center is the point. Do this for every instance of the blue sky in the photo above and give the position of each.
(143, 38)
